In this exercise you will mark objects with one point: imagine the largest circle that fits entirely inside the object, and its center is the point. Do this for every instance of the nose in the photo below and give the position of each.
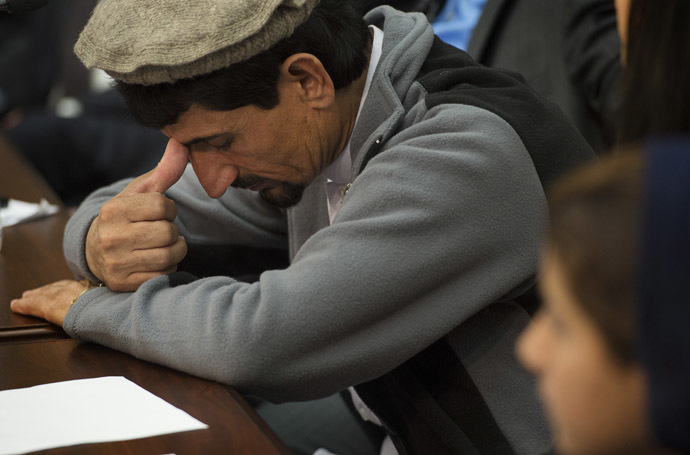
(532, 345)
(214, 174)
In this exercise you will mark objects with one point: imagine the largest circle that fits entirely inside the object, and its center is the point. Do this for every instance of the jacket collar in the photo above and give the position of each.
(406, 42)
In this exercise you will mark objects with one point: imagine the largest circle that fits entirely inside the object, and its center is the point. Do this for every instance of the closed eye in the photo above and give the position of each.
(224, 146)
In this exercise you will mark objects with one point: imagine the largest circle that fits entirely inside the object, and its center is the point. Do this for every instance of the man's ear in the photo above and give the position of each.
(306, 74)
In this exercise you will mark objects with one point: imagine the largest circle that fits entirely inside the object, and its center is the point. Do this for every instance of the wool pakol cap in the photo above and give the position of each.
(154, 41)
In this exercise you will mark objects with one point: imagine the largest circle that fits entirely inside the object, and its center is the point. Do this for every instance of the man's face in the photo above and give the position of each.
(276, 152)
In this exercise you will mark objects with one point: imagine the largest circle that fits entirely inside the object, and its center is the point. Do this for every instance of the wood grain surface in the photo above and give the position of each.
(31, 253)
(234, 428)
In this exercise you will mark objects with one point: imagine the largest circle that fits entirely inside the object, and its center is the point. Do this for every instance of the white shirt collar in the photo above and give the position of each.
(338, 173)
(339, 170)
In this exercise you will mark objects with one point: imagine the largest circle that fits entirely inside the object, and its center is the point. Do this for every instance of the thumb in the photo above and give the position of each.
(165, 174)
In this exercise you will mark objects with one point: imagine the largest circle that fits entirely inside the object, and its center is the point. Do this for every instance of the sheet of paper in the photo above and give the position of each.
(15, 211)
(85, 411)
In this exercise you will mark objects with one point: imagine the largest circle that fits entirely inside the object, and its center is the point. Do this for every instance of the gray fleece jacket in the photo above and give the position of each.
(446, 219)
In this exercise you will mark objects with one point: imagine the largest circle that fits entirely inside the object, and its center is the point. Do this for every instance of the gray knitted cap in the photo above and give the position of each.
(152, 41)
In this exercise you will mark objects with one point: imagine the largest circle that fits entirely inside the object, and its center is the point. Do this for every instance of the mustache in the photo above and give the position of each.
(247, 181)
(288, 194)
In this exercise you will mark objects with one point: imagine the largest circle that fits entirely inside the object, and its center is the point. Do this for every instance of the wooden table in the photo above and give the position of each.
(34, 352)
(31, 253)
(234, 427)
(31, 256)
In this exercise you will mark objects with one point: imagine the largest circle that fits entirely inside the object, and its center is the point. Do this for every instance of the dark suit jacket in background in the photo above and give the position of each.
(567, 50)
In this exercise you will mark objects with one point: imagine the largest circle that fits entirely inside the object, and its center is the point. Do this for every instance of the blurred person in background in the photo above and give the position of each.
(567, 50)
(609, 346)
(28, 60)
(65, 120)
(580, 345)
(656, 83)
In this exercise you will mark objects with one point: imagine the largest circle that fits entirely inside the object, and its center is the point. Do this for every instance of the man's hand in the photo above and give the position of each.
(133, 238)
(50, 302)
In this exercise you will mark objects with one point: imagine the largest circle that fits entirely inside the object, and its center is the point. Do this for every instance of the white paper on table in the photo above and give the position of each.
(85, 411)
(19, 211)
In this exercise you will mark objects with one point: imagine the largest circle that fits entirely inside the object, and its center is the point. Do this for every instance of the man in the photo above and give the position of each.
(405, 180)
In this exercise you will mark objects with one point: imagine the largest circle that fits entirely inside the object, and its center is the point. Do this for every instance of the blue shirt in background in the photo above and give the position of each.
(457, 20)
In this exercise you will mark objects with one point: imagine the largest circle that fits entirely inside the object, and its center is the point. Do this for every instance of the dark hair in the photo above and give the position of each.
(656, 88)
(594, 235)
(334, 33)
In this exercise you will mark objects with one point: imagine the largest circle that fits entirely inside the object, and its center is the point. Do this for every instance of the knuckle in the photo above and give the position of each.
(106, 211)
(110, 209)
(158, 203)
(170, 232)
(155, 260)
(183, 249)
(166, 257)
(109, 240)
(173, 207)
(111, 266)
